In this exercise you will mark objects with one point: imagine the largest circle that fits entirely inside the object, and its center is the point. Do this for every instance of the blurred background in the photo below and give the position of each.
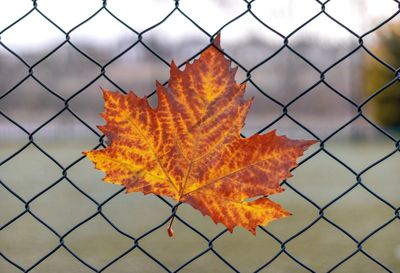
(296, 60)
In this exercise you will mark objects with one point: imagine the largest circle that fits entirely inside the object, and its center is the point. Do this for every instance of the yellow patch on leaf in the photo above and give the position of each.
(190, 149)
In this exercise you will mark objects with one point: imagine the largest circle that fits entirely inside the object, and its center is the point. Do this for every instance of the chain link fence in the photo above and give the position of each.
(210, 240)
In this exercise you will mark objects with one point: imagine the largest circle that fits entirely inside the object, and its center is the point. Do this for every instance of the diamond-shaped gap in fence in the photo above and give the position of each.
(176, 250)
(359, 16)
(61, 261)
(260, 42)
(28, 98)
(89, 180)
(314, 243)
(384, 244)
(280, 76)
(245, 251)
(136, 213)
(63, 207)
(66, 71)
(29, 172)
(66, 137)
(322, 178)
(364, 145)
(374, 177)
(87, 104)
(358, 86)
(132, 13)
(348, 70)
(303, 213)
(172, 43)
(262, 113)
(283, 16)
(33, 37)
(322, 48)
(359, 212)
(55, 11)
(322, 111)
(26, 248)
(96, 242)
(14, 206)
(138, 70)
(100, 37)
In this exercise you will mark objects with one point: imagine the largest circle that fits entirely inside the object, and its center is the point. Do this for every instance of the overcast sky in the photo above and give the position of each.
(34, 31)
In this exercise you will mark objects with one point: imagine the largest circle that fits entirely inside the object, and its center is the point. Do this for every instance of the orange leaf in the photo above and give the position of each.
(190, 148)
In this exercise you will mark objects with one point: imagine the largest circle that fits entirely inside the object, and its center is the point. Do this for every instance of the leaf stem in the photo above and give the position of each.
(169, 229)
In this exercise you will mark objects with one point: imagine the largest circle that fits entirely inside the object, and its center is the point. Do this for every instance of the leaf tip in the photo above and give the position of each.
(307, 143)
(217, 40)
(105, 91)
(173, 65)
(313, 142)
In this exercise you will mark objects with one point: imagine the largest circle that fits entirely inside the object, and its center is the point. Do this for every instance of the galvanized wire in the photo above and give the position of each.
(135, 241)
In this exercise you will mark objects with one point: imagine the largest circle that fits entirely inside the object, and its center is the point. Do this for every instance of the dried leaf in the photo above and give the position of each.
(190, 149)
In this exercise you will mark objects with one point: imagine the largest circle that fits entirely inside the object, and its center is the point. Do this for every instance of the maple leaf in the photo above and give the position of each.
(190, 149)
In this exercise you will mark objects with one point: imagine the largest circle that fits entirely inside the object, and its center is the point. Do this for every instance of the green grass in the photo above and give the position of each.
(320, 247)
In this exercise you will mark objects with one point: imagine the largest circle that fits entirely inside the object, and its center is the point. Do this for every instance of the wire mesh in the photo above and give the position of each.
(285, 113)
